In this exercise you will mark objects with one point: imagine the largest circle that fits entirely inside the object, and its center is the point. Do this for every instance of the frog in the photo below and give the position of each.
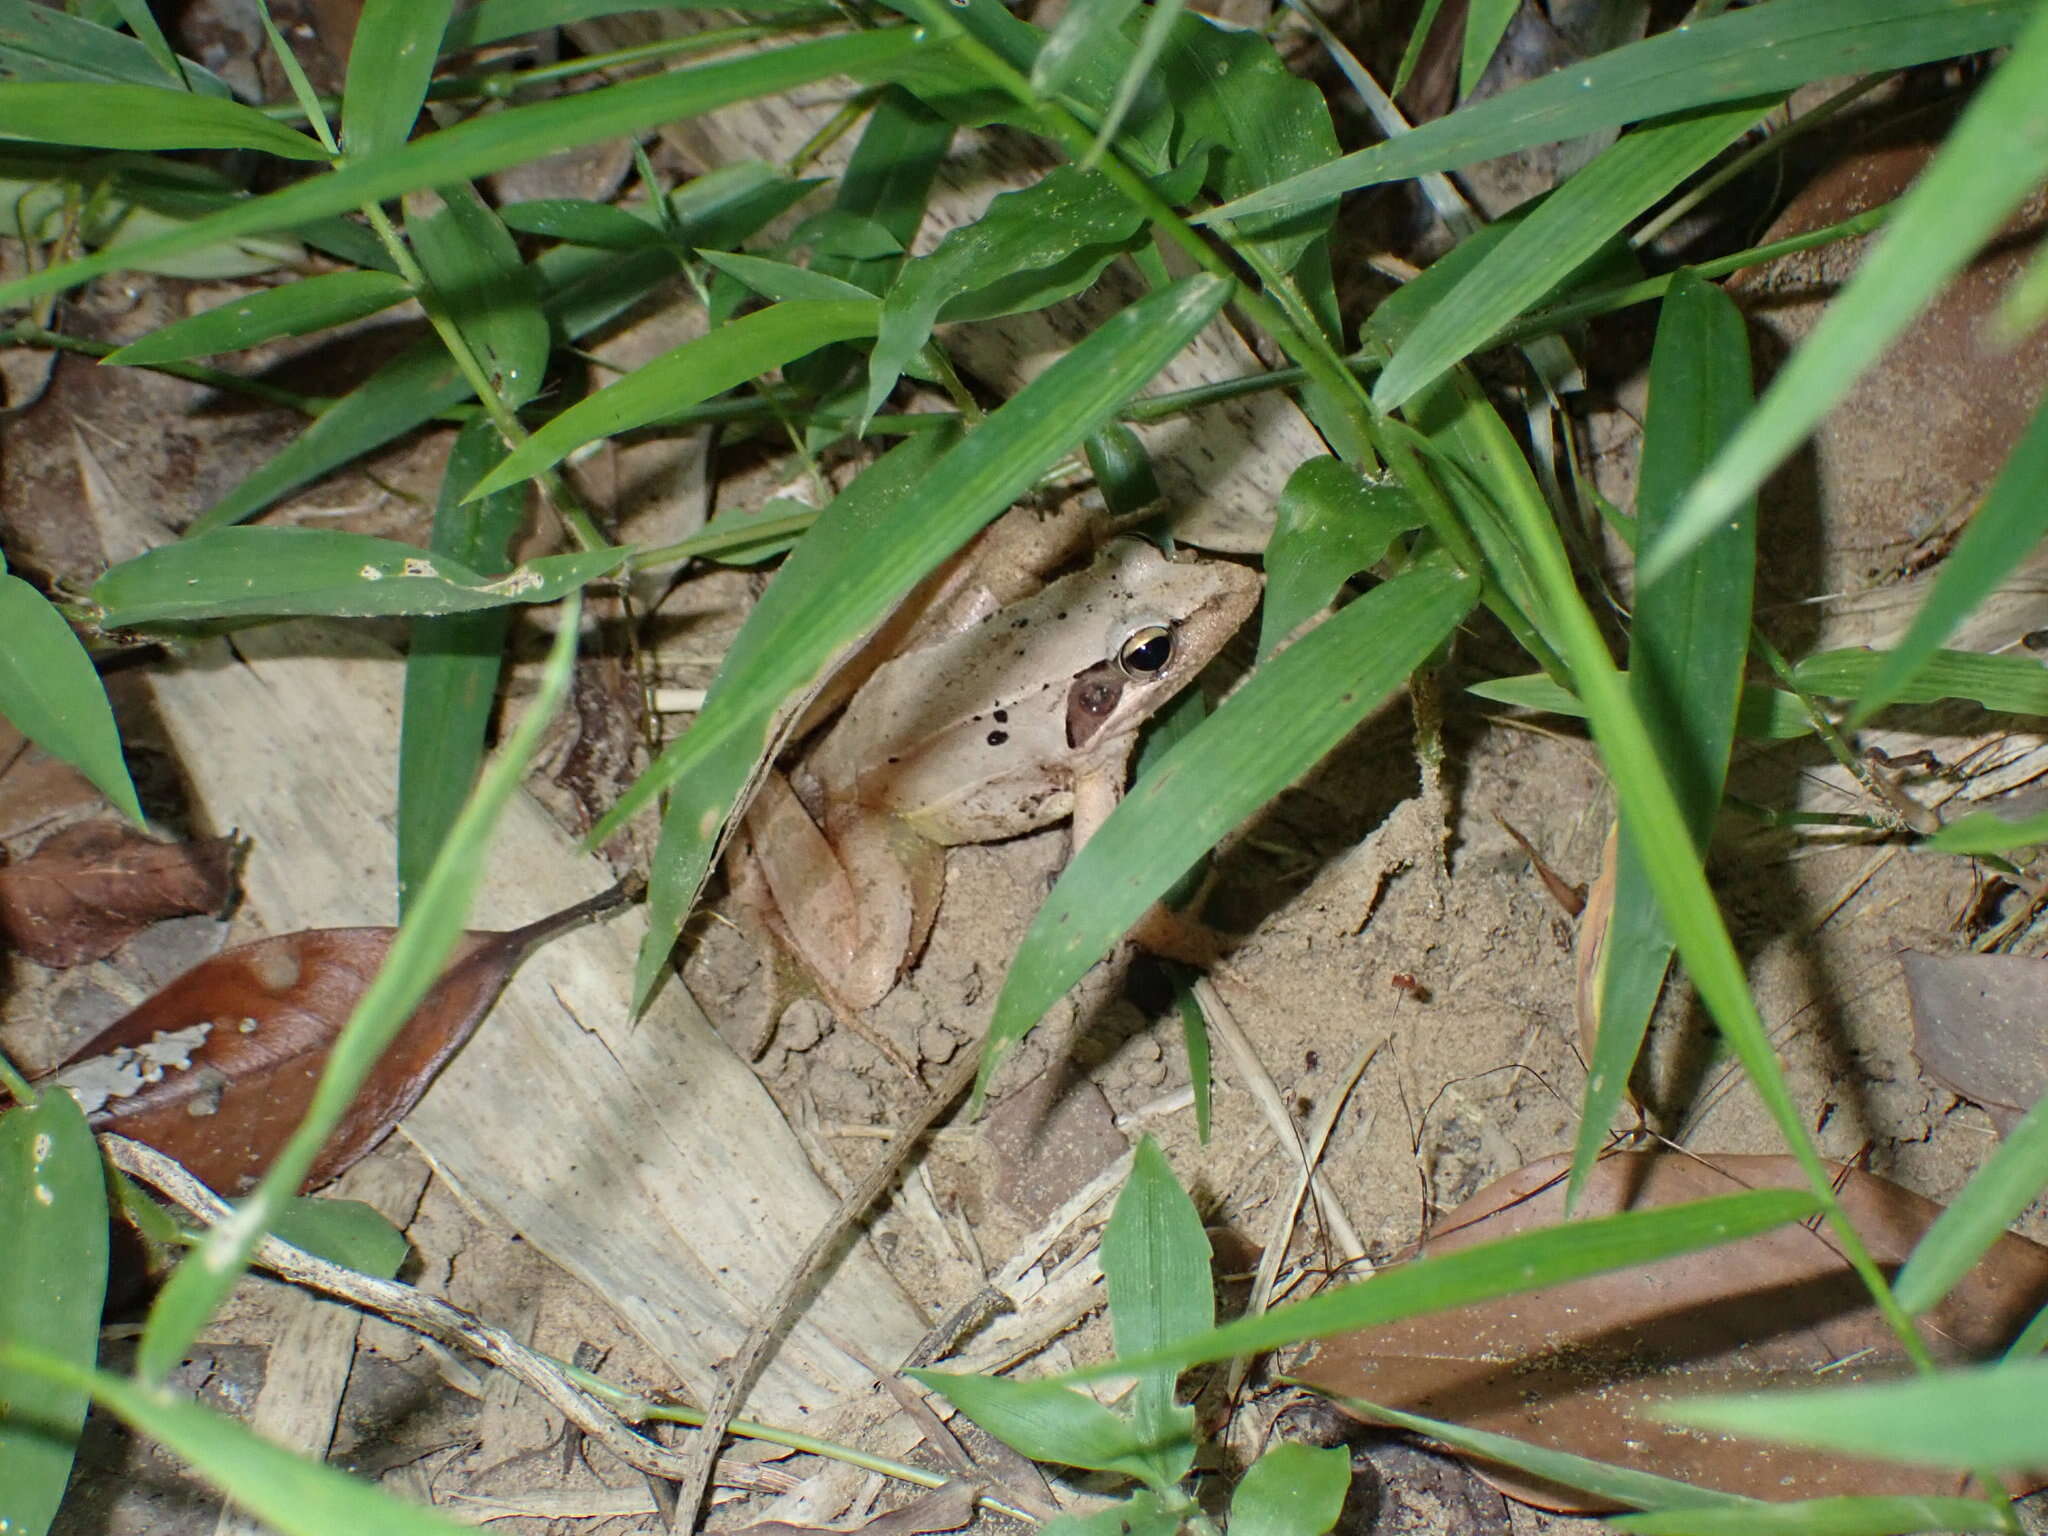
(1009, 716)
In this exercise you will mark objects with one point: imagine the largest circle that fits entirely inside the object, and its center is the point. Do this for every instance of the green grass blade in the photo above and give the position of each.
(579, 221)
(53, 1208)
(1160, 21)
(452, 664)
(1616, 1485)
(390, 61)
(296, 309)
(143, 117)
(1687, 648)
(889, 182)
(2003, 531)
(1048, 1422)
(42, 42)
(2009, 1181)
(1525, 1262)
(1743, 53)
(858, 561)
(1155, 1264)
(424, 941)
(1985, 832)
(492, 21)
(345, 1232)
(1332, 523)
(52, 693)
(1848, 1515)
(1994, 1418)
(1996, 154)
(1552, 242)
(264, 572)
(1084, 27)
(1292, 1490)
(1292, 712)
(739, 350)
(485, 290)
(1486, 22)
(490, 143)
(2013, 684)
(144, 25)
(288, 1493)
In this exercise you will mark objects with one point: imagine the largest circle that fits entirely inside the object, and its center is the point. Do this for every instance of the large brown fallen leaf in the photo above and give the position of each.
(1573, 1367)
(87, 889)
(217, 1069)
(1980, 1027)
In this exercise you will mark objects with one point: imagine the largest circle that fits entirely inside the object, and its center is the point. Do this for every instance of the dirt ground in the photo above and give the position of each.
(1425, 1008)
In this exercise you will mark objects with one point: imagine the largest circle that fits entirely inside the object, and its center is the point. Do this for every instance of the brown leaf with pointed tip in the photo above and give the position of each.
(217, 1069)
(1980, 1028)
(1572, 1367)
(89, 888)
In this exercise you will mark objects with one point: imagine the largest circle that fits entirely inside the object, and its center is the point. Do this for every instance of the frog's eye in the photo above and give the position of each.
(1145, 651)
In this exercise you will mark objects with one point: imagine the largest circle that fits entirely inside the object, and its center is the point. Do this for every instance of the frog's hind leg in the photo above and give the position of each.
(897, 876)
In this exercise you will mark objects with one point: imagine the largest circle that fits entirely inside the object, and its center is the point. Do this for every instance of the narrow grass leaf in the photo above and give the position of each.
(1084, 27)
(2010, 1180)
(452, 664)
(856, 564)
(41, 42)
(298, 308)
(1155, 1264)
(425, 940)
(53, 1208)
(2014, 684)
(292, 1495)
(582, 288)
(1688, 646)
(345, 1232)
(492, 21)
(1292, 712)
(1993, 1418)
(1848, 1515)
(2000, 534)
(1604, 1480)
(1062, 229)
(1049, 1422)
(143, 24)
(144, 117)
(1331, 524)
(1741, 53)
(249, 572)
(491, 142)
(390, 61)
(735, 352)
(1997, 153)
(781, 282)
(1528, 1261)
(51, 691)
(579, 221)
(1160, 19)
(1548, 245)
(888, 183)
(487, 293)
(1292, 1490)
(1985, 832)
(1486, 23)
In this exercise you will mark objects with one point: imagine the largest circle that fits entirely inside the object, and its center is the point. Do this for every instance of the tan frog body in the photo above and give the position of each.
(1022, 718)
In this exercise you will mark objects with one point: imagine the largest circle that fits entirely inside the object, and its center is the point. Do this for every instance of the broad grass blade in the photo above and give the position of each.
(490, 296)
(1687, 648)
(41, 42)
(1742, 53)
(296, 309)
(1292, 1490)
(490, 143)
(1155, 1264)
(2010, 1180)
(1547, 246)
(1266, 735)
(51, 691)
(53, 1208)
(143, 117)
(1997, 153)
(389, 64)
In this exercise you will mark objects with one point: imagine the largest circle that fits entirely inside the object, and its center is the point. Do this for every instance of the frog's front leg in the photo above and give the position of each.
(1162, 931)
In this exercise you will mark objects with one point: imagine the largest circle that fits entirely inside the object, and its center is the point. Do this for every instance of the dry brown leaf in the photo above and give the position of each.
(216, 1069)
(89, 888)
(1573, 1367)
(1980, 1026)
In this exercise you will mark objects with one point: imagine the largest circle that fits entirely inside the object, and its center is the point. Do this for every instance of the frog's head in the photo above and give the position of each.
(1170, 618)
